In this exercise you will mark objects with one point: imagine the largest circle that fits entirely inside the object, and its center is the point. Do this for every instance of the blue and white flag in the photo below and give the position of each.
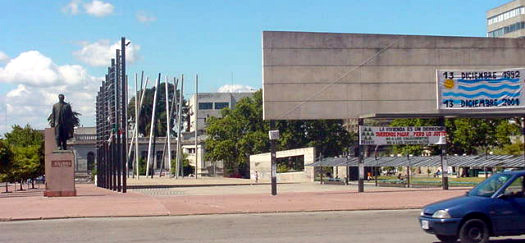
(480, 89)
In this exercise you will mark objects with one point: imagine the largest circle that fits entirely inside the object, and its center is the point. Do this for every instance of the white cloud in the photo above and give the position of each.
(98, 8)
(39, 81)
(235, 88)
(33, 68)
(145, 18)
(72, 7)
(95, 8)
(3, 57)
(99, 53)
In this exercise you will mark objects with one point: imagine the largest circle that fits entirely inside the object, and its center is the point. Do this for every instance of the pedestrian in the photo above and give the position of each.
(256, 177)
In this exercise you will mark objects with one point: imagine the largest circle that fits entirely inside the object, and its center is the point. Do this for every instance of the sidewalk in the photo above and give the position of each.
(97, 202)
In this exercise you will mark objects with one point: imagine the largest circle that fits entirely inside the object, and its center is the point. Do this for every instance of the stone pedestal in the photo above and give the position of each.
(60, 169)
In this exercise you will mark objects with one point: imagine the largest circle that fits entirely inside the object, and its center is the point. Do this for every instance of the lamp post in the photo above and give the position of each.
(274, 135)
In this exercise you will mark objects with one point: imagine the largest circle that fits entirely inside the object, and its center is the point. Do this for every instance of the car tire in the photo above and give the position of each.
(474, 231)
(447, 238)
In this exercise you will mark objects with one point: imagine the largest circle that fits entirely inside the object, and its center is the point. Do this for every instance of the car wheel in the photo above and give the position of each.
(447, 238)
(474, 231)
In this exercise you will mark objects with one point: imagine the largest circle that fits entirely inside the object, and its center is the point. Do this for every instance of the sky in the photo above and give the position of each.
(65, 46)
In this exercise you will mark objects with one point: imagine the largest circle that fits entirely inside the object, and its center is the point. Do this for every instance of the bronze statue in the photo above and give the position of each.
(62, 120)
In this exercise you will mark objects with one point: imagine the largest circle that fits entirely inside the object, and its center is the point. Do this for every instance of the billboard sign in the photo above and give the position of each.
(402, 135)
(481, 89)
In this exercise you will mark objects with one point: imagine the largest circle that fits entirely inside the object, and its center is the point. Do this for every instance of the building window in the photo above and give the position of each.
(507, 29)
(205, 106)
(506, 15)
(221, 105)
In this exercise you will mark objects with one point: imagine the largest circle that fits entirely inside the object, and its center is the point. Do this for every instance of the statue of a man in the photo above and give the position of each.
(62, 121)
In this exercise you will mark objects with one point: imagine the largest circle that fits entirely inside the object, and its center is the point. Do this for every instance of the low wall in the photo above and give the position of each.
(260, 166)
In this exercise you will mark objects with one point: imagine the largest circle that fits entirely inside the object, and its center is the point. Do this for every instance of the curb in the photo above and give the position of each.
(204, 214)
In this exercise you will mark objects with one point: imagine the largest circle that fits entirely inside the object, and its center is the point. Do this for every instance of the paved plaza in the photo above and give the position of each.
(212, 199)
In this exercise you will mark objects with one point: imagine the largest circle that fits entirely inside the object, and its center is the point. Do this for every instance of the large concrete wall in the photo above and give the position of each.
(339, 76)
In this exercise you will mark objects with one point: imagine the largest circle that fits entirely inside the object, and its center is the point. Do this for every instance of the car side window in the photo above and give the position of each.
(516, 188)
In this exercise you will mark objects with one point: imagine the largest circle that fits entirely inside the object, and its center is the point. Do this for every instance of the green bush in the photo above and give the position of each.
(187, 168)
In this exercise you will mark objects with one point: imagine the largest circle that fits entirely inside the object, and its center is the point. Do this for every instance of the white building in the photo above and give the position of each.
(507, 20)
(210, 104)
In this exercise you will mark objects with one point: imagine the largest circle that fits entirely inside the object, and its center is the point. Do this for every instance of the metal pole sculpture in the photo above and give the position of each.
(173, 106)
(118, 156)
(179, 132)
(152, 124)
(196, 108)
(168, 118)
(114, 122)
(136, 128)
(141, 94)
(124, 111)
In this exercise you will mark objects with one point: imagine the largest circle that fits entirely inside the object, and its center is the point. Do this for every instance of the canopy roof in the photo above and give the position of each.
(480, 161)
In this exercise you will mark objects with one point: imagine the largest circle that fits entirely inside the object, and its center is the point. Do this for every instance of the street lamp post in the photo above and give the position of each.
(274, 135)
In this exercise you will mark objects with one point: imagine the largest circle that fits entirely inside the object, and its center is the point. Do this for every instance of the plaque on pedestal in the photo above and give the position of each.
(60, 169)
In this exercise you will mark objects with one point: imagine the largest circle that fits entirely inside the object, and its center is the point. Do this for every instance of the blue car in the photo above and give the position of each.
(495, 207)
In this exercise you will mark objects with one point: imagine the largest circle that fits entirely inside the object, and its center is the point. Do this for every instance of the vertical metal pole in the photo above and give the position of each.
(321, 169)
(444, 166)
(177, 154)
(273, 159)
(141, 93)
(377, 165)
(118, 90)
(408, 171)
(173, 105)
(114, 124)
(155, 133)
(124, 78)
(360, 164)
(523, 135)
(136, 136)
(152, 124)
(196, 123)
(180, 166)
(348, 156)
(168, 129)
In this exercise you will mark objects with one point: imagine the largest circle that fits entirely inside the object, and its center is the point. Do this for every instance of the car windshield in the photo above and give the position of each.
(490, 185)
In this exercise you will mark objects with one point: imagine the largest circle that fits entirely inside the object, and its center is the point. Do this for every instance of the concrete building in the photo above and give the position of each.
(342, 76)
(210, 104)
(507, 20)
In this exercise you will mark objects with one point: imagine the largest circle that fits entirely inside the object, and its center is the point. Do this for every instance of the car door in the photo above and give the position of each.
(508, 211)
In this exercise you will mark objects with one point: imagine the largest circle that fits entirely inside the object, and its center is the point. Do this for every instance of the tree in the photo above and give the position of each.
(160, 113)
(186, 167)
(6, 155)
(27, 160)
(510, 149)
(474, 136)
(241, 132)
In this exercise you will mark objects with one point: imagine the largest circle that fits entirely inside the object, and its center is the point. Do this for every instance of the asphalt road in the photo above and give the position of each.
(357, 226)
